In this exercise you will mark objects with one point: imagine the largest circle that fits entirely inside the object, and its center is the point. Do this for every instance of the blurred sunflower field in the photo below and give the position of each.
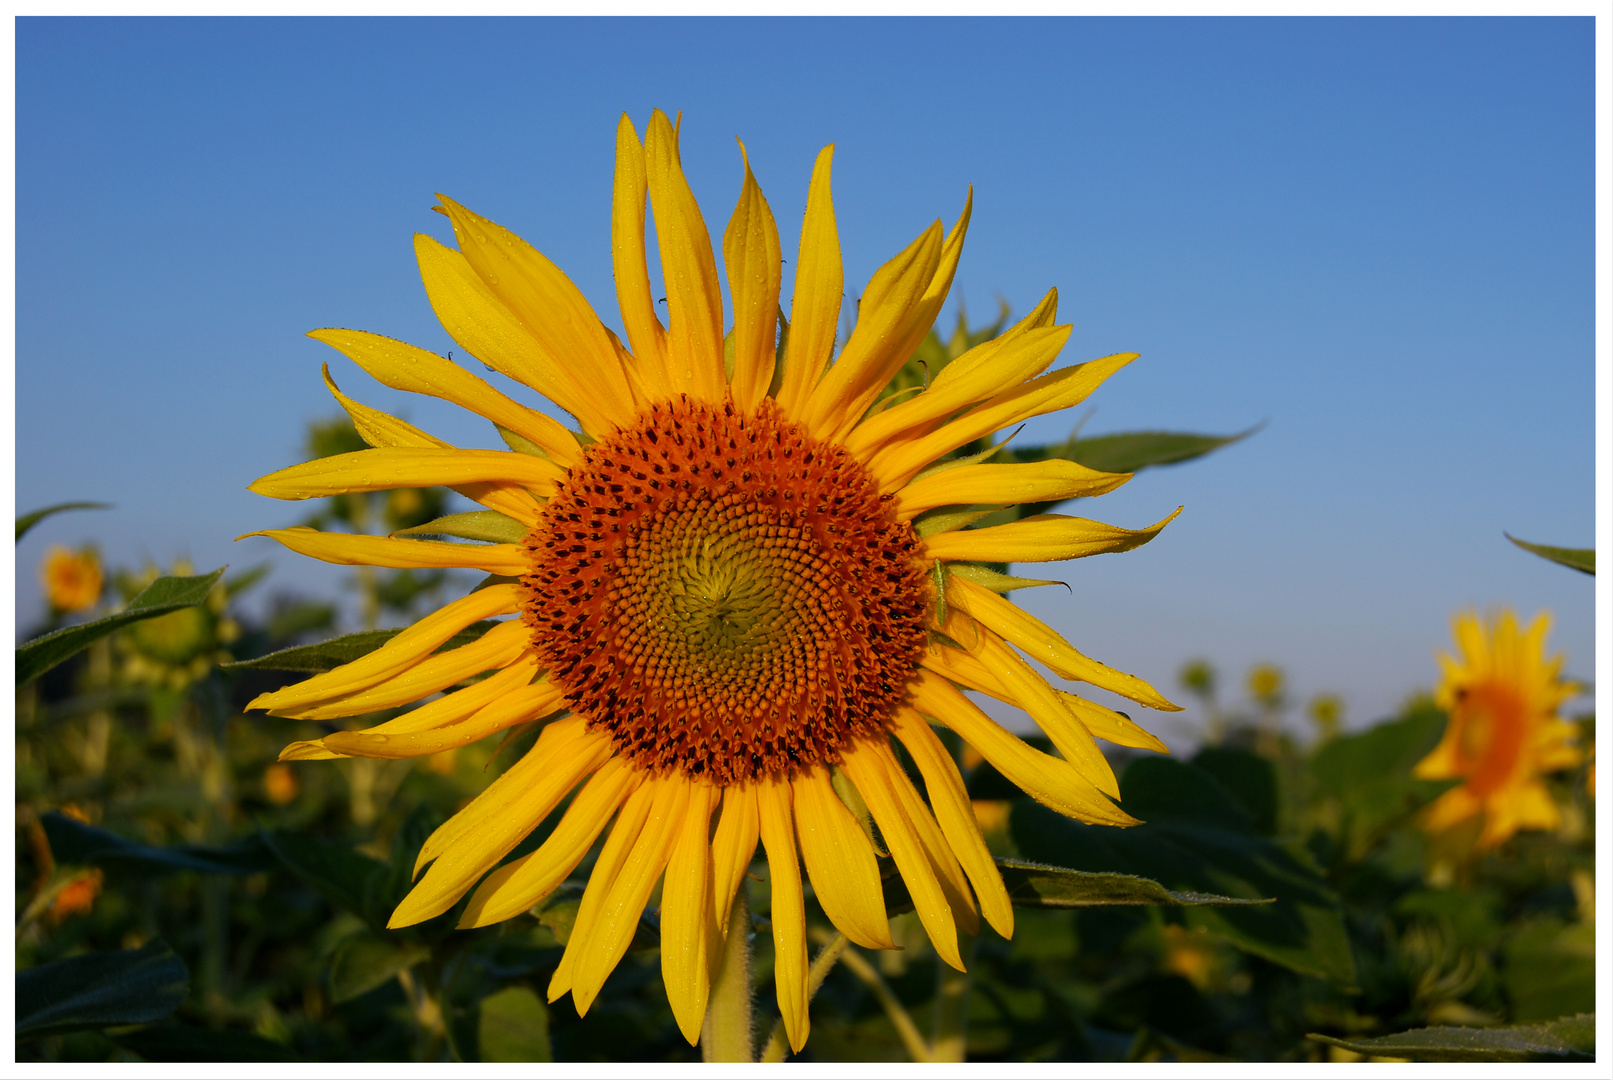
(1300, 889)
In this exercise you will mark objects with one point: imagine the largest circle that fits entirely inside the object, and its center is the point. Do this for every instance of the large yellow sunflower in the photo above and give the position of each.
(727, 585)
(1502, 695)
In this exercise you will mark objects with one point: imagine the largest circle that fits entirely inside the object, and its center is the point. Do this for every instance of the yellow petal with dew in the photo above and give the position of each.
(521, 706)
(405, 367)
(403, 651)
(1040, 538)
(750, 252)
(948, 873)
(518, 885)
(867, 772)
(788, 909)
(1045, 645)
(732, 847)
(1032, 482)
(953, 812)
(351, 549)
(1111, 726)
(819, 283)
(686, 914)
(840, 861)
(405, 467)
(644, 330)
(693, 292)
(1047, 779)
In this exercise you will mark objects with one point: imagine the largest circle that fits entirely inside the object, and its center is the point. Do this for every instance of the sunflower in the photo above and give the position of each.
(735, 584)
(72, 579)
(1502, 696)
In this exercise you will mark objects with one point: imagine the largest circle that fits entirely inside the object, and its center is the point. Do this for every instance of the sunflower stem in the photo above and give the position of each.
(778, 1044)
(727, 1030)
(948, 1042)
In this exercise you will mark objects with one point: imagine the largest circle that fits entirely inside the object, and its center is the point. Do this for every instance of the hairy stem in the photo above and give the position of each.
(726, 1035)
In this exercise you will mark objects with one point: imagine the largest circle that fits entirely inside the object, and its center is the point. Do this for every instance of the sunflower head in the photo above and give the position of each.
(1501, 694)
(72, 579)
(746, 575)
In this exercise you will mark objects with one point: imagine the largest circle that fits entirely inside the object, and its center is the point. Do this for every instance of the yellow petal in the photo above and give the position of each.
(1111, 726)
(732, 848)
(1040, 538)
(1021, 352)
(949, 874)
(1050, 781)
(349, 549)
(788, 907)
(686, 915)
(1031, 482)
(644, 331)
(694, 295)
(408, 648)
(1455, 806)
(405, 467)
(899, 462)
(1045, 645)
(520, 706)
(750, 252)
(819, 283)
(950, 800)
(867, 772)
(474, 840)
(840, 861)
(517, 886)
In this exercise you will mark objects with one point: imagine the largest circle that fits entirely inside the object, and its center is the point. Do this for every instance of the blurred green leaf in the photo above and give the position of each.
(1131, 451)
(325, 655)
(1551, 970)
(99, 990)
(1197, 838)
(514, 1026)
(28, 521)
(489, 525)
(1572, 1038)
(1581, 559)
(162, 596)
(366, 960)
(240, 583)
(183, 1042)
(349, 879)
(1248, 778)
(1034, 885)
(77, 844)
(1370, 775)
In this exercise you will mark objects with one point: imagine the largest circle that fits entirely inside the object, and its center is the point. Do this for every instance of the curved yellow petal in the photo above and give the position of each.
(819, 283)
(1040, 538)
(1111, 726)
(517, 886)
(867, 772)
(694, 295)
(520, 706)
(732, 847)
(789, 910)
(405, 467)
(405, 367)
(686, 914)
(633, 295)
(840, 861)
(950, 801)
(352, 549)
(1031, 482)
(750, 252)
(943, 860)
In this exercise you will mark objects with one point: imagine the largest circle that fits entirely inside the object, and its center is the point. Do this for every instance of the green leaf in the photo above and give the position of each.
(182, 1042)
(1369, 775)
(489, 525)
(162, 596)
(1131, 451)
(77, 844)
(1198, 838)
(514, 1026)
(349, 879)
(325, 655)
(1571, 1038)
(98, 990)
(366, 960)
(1034, 885)
(1581, 559)
(1551, 970)
(1248, 778)
(28, 521)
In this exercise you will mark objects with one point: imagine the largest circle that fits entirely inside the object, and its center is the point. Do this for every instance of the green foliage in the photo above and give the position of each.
(1036, 886)
(98, 990)
(325, 655)
(1581, 559)
(29, 520)
(1572, 1038)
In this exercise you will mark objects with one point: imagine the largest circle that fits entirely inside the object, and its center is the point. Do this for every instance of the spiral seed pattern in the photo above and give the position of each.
(724, 594)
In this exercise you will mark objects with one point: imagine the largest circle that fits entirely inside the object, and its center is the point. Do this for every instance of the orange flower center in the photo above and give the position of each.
(725, 594)
(1493, 721)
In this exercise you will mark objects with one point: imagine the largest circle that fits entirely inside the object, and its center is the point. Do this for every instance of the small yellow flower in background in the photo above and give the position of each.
(1502, 696)
(280, 783)
(77, 896)
(72, 579)
(727, 586)
(1266, 684)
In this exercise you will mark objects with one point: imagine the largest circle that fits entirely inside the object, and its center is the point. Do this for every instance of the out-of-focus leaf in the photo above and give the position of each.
(182, 1042)
(1197, 838)
(240, 583)
(1571, 1038)
(489, 525)
(77, 844)
(348, 878)
(1551, 970)
(1034, 885)
(98, 990)
(1248, 778)
(559, 912)
(325, 655)
(162, 596)
(28, 521)
(514, 1026)
(1370, 775)
(1131, 451)
(1581, 559)
(366, 960)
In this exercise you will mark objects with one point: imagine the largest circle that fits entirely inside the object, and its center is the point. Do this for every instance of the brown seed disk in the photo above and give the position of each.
(725, 594)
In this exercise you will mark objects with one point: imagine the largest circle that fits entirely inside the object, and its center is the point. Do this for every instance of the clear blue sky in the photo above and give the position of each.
(1375, 235)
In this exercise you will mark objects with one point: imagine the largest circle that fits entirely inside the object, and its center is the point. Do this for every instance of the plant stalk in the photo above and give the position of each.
(726, 1034)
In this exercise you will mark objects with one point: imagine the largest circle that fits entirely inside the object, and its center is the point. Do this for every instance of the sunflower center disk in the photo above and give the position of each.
(725, 594)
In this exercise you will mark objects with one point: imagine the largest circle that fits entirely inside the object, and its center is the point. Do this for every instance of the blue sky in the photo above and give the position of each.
(1376, 236)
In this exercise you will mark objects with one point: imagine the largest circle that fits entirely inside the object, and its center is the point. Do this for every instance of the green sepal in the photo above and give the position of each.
(1581, 559)
(988, 578)
(488, 525)
(1572, 1038)
(520, 444)
(973, 459)
(1132, 451)
(326, 655)
(945, 519)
